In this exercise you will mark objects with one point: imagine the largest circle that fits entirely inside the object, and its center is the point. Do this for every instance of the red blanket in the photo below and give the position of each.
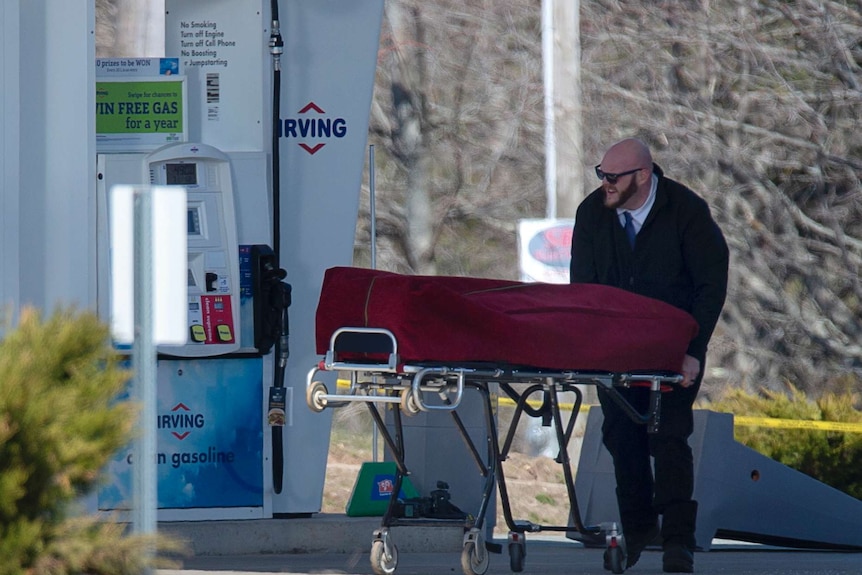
(460, 320)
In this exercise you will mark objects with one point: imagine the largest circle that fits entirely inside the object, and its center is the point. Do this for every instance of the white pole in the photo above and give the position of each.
(550, 137)
(373, 216)
(144, 362)
(371, 207)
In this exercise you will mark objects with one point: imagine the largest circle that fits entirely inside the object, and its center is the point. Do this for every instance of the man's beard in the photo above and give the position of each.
(622, 195)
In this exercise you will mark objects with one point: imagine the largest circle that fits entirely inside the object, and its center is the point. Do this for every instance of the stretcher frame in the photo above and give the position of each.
(428, 386)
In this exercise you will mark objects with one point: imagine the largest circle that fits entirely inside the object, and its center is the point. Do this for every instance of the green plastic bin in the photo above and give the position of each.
(373, 489)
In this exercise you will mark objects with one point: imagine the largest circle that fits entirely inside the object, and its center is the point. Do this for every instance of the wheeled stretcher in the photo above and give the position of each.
(418, 343)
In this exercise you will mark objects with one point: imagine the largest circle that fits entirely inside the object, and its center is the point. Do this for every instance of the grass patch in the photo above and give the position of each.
(545, 499)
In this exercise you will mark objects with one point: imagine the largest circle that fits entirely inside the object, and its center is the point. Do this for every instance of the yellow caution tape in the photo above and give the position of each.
(537, 404)
(797, 424)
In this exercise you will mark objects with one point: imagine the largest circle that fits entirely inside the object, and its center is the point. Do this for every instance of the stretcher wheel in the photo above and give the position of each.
(384, 558)
(408, 402)
(314, 396)
(613, 559)
(474, 559)
(517, 551)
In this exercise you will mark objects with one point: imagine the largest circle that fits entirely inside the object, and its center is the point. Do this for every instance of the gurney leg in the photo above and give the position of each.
(502, 454)
(487, 471)
(459, 423)
(563, 455)
(396, 445)
(517, 542)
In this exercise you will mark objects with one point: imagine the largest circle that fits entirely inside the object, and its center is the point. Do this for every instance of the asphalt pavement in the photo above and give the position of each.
(547, 555)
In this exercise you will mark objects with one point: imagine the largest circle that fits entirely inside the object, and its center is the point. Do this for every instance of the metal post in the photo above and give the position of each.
(550, 131)
(144, 362)
(371, 207)
(373, 216)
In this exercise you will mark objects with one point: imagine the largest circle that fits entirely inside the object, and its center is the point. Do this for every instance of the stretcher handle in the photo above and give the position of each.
(450, 404)
(652, 418)
(665, 381)
(656, 389)
(362, 340)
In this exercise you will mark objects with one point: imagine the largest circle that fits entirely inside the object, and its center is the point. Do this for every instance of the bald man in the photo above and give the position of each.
(646, 233)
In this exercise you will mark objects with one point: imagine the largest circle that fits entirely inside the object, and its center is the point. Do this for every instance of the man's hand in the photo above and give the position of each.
(690, 370)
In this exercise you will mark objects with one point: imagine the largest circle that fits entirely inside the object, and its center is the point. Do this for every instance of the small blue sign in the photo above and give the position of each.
(209, 437)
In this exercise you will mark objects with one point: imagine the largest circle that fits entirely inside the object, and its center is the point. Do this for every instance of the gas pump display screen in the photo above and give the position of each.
(181, 174)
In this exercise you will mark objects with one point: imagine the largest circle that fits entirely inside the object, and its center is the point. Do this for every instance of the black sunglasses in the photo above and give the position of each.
(612, 178)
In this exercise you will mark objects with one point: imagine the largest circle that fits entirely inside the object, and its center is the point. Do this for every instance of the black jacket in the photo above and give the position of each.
(680, 256)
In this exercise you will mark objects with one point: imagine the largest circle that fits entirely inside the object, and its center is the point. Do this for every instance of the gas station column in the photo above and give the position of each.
(10, 107)
(48, 47)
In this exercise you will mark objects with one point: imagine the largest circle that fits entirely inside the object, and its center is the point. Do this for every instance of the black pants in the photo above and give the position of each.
(641, 494)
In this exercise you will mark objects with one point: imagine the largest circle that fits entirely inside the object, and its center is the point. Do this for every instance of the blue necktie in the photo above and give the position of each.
(630, 229)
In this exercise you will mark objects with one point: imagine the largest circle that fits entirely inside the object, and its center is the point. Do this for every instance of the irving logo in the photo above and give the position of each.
(312, 127)
(180, 421)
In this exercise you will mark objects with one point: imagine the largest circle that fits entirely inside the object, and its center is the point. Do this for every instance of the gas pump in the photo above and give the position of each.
(233, 442)
(211, 459)
(213, 272)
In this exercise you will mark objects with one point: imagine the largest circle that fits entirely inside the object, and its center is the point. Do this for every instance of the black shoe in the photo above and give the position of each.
(677, 559)
(636, 543)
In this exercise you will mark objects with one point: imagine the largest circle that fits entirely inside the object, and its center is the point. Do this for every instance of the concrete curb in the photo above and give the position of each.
(321, 533)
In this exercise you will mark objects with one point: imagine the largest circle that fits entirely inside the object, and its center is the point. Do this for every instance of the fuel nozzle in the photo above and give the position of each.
(276, 44)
